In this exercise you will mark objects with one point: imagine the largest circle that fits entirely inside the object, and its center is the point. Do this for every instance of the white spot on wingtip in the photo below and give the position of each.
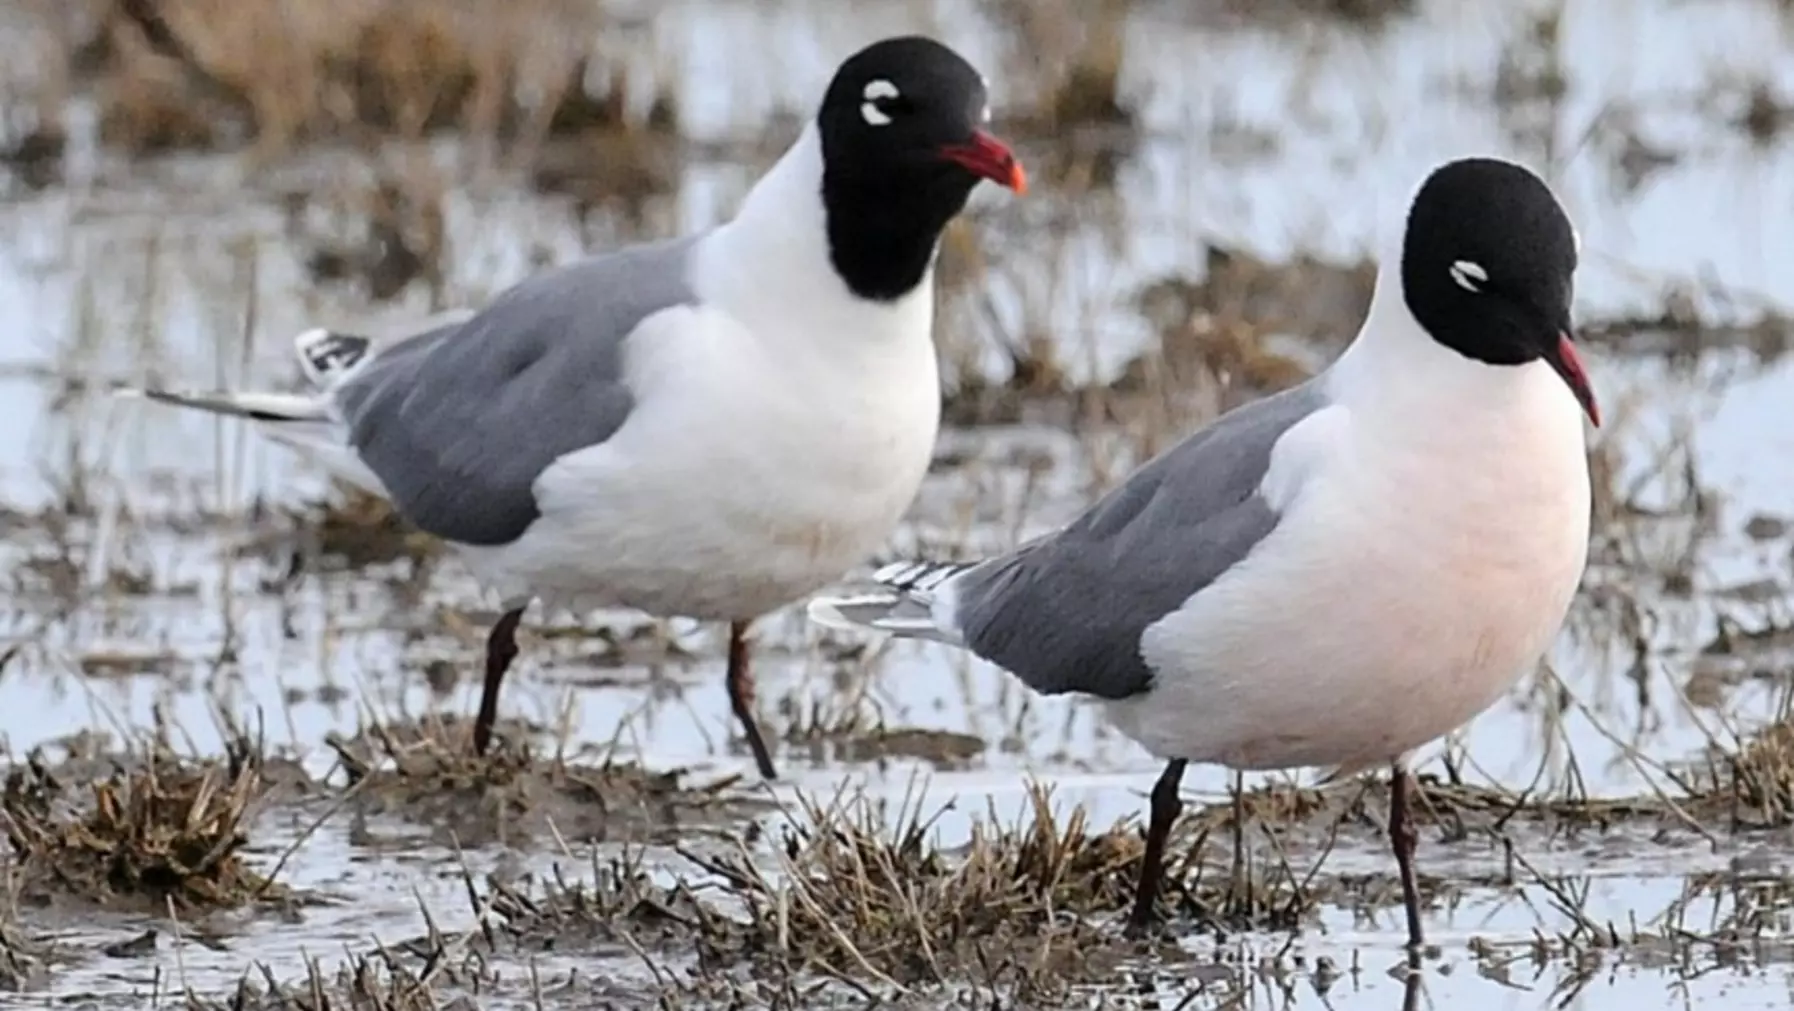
(316, 335)
(1469, 275)
(891, 572)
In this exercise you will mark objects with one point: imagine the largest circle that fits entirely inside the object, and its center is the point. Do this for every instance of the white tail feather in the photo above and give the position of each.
(276, 407)
(905, 599)
(299, 421)
(306, 422)
(324, 443)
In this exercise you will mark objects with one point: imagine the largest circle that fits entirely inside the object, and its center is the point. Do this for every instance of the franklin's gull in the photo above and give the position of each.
(1339, 573)
(710, 427)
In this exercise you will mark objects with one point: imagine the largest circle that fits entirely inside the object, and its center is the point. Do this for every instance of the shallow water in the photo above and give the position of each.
(1273, 137)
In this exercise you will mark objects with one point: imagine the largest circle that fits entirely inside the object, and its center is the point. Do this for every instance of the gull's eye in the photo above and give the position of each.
(879, 100)
(1469, 275)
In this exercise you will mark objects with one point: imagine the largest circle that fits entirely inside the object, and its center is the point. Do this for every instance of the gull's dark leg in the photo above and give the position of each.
(1165, 808)
(741, 698)
(501, 649)
(1403, 838)
(1242, 877)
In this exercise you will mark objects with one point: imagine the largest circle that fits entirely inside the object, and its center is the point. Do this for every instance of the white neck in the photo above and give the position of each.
(772, 262)
(1395, 370)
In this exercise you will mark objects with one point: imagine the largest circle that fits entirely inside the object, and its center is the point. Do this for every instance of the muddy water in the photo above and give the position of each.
(1275, 137)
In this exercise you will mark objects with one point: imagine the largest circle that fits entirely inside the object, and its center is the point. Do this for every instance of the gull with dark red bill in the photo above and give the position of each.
(1568, 364)
(712, 426)
(1337, 574)
(989, 157)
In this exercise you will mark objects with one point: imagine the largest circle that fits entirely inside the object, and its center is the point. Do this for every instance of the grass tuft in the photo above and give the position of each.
(427, 773)
(155, 832)
(855, 894)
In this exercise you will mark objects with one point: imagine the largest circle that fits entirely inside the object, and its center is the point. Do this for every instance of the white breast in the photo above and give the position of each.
(745, 478)
(1428, 552)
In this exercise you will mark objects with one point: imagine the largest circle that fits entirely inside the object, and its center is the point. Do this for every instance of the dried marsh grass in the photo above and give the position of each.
(620, 902)
(376, 982)
(855, 895)
(203, 73)
(1749, 782)
(156, 831)
(428, 773)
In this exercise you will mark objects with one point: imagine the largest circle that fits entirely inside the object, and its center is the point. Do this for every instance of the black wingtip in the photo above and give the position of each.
(918, 577)
(217, 404)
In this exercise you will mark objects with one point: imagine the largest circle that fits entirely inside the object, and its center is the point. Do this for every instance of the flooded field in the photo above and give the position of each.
(235, 696)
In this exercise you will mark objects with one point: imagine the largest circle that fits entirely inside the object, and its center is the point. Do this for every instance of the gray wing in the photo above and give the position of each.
(1065, 612)
(459, 421)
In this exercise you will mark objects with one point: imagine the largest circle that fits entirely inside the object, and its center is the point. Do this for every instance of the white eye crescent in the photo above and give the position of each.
(1468, 275)
(875, 92)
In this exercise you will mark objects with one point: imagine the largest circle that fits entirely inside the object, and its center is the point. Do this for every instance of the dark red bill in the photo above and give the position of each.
(1568, 364)
(989, 157)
